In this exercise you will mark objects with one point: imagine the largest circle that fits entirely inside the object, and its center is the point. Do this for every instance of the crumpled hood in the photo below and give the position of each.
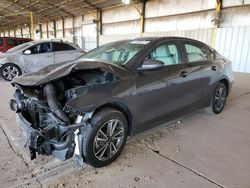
(55, 71)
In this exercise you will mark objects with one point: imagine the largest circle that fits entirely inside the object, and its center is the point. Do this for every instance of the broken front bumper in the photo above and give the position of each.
(38, 143)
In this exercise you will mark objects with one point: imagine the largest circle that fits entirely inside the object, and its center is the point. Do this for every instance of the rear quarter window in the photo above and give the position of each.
(62, 47)
(1, 42)
(195, 53)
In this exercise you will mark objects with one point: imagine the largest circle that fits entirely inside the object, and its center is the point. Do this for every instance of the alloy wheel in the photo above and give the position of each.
(220, 98)
(10, 72)
(108, 140)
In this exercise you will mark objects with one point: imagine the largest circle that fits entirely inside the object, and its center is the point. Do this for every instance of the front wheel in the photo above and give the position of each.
(218, 99)
(9, 71)
(105, 137)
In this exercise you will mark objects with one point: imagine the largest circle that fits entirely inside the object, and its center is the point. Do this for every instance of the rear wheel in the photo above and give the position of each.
(105, 137)
(218, 99)
(9, 71)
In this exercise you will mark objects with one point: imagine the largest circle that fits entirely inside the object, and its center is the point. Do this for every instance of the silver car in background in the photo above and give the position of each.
(32, 56)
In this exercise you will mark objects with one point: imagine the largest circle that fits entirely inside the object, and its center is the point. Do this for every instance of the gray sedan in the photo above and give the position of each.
(88, 107)
(32, 56)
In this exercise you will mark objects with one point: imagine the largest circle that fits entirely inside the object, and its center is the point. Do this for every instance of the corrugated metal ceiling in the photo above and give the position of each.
(15, 13)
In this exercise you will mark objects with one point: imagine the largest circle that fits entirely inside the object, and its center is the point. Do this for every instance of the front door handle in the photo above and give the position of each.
(184, 73)
(214, 68)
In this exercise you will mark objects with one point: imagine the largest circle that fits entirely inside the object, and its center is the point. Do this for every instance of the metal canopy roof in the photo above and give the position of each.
(16, 13)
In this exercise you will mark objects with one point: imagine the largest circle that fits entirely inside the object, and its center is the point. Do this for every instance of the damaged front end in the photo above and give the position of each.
(50, 125)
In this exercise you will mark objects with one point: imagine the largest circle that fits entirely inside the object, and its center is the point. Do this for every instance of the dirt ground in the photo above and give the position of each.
(196, 150)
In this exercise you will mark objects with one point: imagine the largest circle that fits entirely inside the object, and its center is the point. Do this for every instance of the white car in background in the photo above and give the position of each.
(32, 56)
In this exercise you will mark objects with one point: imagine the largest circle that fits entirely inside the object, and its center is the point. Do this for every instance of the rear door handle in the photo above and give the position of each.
(214, 68)
(184, 73)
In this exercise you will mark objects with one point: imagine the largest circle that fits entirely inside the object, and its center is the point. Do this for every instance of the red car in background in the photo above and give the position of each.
(7, 43)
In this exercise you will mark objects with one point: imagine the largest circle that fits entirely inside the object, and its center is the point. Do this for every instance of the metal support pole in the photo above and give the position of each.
(54, 28)
(8, 33)
(31, 25)
(73, 29)
(141, 13)
(63, 27)
(21, 32)
(216, 22)
(143, 16)
(47, 30)
(100, 21)
(99, 26)
(41, 31)
(30, 32)
(14, 32)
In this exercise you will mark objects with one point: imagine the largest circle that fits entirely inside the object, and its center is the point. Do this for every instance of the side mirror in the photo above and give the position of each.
(151, 64)
(27, 52)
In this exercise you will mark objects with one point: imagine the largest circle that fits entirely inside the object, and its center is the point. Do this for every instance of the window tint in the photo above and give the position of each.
(62, 47)
(1, 42)
(45, 47)
(167, 53)
(10, 42)
(195, 53)
(40, 48)
(34, 49)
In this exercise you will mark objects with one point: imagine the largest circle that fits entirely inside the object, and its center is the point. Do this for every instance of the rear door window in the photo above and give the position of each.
(61, 47)
(195, 53)
(45, 47)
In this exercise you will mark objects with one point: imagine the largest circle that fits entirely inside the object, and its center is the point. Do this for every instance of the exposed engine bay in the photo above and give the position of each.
(43, 115)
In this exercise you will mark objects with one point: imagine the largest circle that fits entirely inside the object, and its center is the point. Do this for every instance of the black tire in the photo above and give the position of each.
(93, 131)
(218, 102)
(9, 71)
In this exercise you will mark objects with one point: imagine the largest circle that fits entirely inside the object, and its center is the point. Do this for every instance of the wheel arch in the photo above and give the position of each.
(122, 108)
(10, 63)
(225, 81)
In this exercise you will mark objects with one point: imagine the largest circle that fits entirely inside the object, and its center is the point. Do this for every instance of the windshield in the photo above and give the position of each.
(19, 47)
(118, 53)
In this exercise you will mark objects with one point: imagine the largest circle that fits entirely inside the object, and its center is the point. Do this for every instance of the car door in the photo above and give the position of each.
(200, 67)
(64, 52)
(37, 57)
(161, 94)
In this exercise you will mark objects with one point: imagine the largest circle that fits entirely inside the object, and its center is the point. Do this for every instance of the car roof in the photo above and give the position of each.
(53, 41)
(173, 38)
(164, 38)
(158, 39)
